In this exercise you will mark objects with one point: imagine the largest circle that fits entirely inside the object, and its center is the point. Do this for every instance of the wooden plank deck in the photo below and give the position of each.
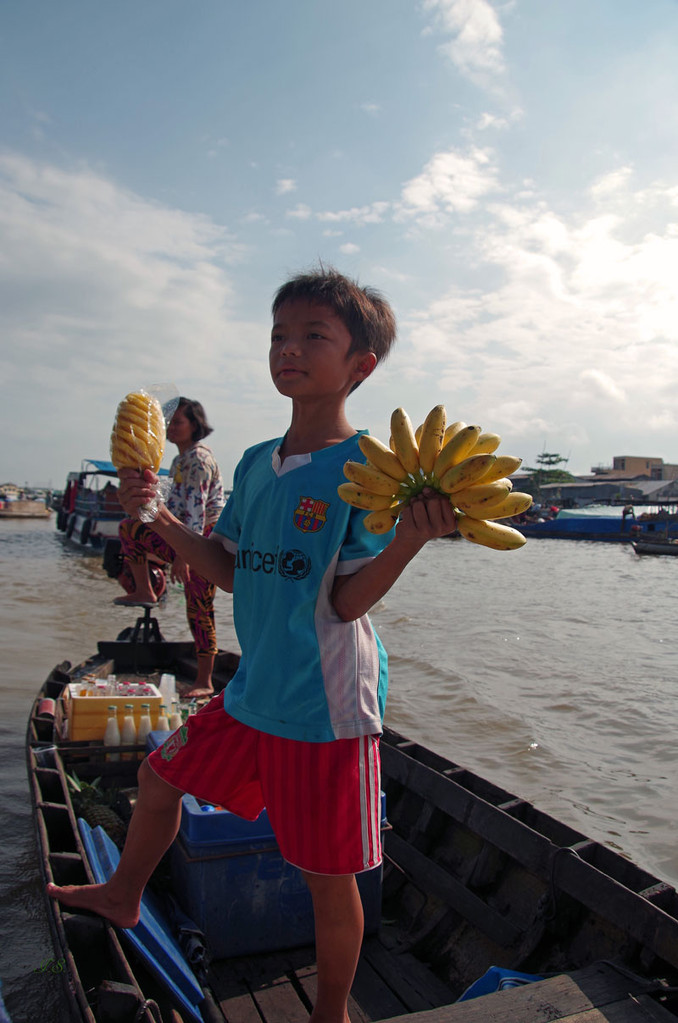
(280, 988)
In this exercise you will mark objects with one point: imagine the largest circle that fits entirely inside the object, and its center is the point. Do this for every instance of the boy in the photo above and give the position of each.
(297, 728)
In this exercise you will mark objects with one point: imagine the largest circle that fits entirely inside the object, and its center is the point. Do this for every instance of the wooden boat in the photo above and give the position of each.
(24, 509)
(658, 546)
(474, 878)
(90, 511)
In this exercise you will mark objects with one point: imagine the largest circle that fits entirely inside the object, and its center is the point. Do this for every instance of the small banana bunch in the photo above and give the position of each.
(138, 437)
(458, 460)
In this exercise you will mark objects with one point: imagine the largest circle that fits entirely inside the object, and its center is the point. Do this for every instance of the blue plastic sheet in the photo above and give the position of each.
(151, 938)
(497, 979)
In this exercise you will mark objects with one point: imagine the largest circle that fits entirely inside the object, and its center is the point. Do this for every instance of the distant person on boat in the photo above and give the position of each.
(297, 728)
(196, 499)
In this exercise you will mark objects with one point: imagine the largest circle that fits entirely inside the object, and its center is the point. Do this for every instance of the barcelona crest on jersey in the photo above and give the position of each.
(310, 515)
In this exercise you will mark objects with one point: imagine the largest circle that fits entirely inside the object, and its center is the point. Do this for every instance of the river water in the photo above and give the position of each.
(552, 671)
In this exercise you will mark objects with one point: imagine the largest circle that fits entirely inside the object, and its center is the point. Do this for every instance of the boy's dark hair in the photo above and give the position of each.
(365, 313)
(197, 416)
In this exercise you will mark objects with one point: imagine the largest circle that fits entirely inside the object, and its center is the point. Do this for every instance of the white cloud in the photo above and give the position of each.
(102, 291)
(371, 108)
(451, 182)
(602, 385)
(582, 318)
(349, 249)
(499, 123)
(393, 274)
(285, 185)
(666, 420)
(374, 213)
(475, 35)
(486, 121)
(300, 212)
(616, 181)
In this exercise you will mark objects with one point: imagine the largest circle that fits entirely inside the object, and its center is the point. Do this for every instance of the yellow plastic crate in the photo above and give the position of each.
(88, 715)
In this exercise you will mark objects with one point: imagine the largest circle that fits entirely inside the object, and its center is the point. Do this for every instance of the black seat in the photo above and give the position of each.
(146, 629)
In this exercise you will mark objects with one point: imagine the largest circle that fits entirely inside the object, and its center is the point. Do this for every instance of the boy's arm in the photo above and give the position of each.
(428, 516)
(207, 557)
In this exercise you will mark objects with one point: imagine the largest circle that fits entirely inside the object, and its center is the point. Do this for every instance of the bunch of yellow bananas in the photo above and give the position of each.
(458, 460)
(138, 437)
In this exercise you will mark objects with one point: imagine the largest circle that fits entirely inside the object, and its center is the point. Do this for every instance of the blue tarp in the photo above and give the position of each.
(151, 938)
(497, 979)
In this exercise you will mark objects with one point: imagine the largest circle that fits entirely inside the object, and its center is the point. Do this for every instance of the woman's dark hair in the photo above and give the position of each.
(196, 415)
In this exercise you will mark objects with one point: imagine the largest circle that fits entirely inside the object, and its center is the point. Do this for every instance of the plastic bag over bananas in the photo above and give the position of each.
(138, 440)
(457, 460)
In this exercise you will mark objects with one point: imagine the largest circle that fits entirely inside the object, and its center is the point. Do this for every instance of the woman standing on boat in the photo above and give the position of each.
(196, 499)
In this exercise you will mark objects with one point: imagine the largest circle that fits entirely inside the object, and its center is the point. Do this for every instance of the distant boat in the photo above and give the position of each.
(22, 509)
(604, 523)
(657, 546)
(90, 510)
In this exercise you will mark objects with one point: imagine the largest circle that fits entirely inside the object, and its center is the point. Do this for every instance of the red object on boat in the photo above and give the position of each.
(46, 708)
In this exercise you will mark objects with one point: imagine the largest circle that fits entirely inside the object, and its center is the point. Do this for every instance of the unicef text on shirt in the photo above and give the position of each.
(291, 564)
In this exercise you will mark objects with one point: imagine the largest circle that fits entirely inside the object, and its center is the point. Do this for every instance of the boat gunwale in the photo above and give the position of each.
(637, 915)
(58, 917)
(535, 851)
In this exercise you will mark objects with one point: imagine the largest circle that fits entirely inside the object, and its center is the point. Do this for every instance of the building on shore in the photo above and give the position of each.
(629, 480)
(630, 467)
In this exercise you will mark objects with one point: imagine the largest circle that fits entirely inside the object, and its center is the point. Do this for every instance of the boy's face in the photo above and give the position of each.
(309, 352)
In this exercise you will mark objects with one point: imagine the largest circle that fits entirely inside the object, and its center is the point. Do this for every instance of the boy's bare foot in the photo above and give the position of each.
(136, 598)
(97, 899)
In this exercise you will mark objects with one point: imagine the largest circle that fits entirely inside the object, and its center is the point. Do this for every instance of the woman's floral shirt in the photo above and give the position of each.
(197, 494)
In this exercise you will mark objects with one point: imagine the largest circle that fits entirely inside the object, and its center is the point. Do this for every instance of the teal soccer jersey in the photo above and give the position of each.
(304, 673)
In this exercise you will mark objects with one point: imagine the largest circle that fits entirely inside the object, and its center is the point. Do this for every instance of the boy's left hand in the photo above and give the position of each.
(428, 515)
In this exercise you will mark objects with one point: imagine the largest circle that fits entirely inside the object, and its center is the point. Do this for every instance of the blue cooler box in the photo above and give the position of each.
(232, 881)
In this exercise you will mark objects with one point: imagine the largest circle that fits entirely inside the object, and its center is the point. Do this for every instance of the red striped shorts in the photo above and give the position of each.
(322, 798)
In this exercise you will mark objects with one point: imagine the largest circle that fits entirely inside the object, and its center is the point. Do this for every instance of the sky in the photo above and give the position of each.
(505, 173)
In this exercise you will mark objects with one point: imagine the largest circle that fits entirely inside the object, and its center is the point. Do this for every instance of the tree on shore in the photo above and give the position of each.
(547, 471)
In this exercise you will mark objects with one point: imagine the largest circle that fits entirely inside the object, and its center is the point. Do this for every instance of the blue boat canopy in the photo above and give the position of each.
(101, 466)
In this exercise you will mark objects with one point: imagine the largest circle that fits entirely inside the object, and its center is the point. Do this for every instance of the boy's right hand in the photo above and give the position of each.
(428, 516)
(136, 489)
